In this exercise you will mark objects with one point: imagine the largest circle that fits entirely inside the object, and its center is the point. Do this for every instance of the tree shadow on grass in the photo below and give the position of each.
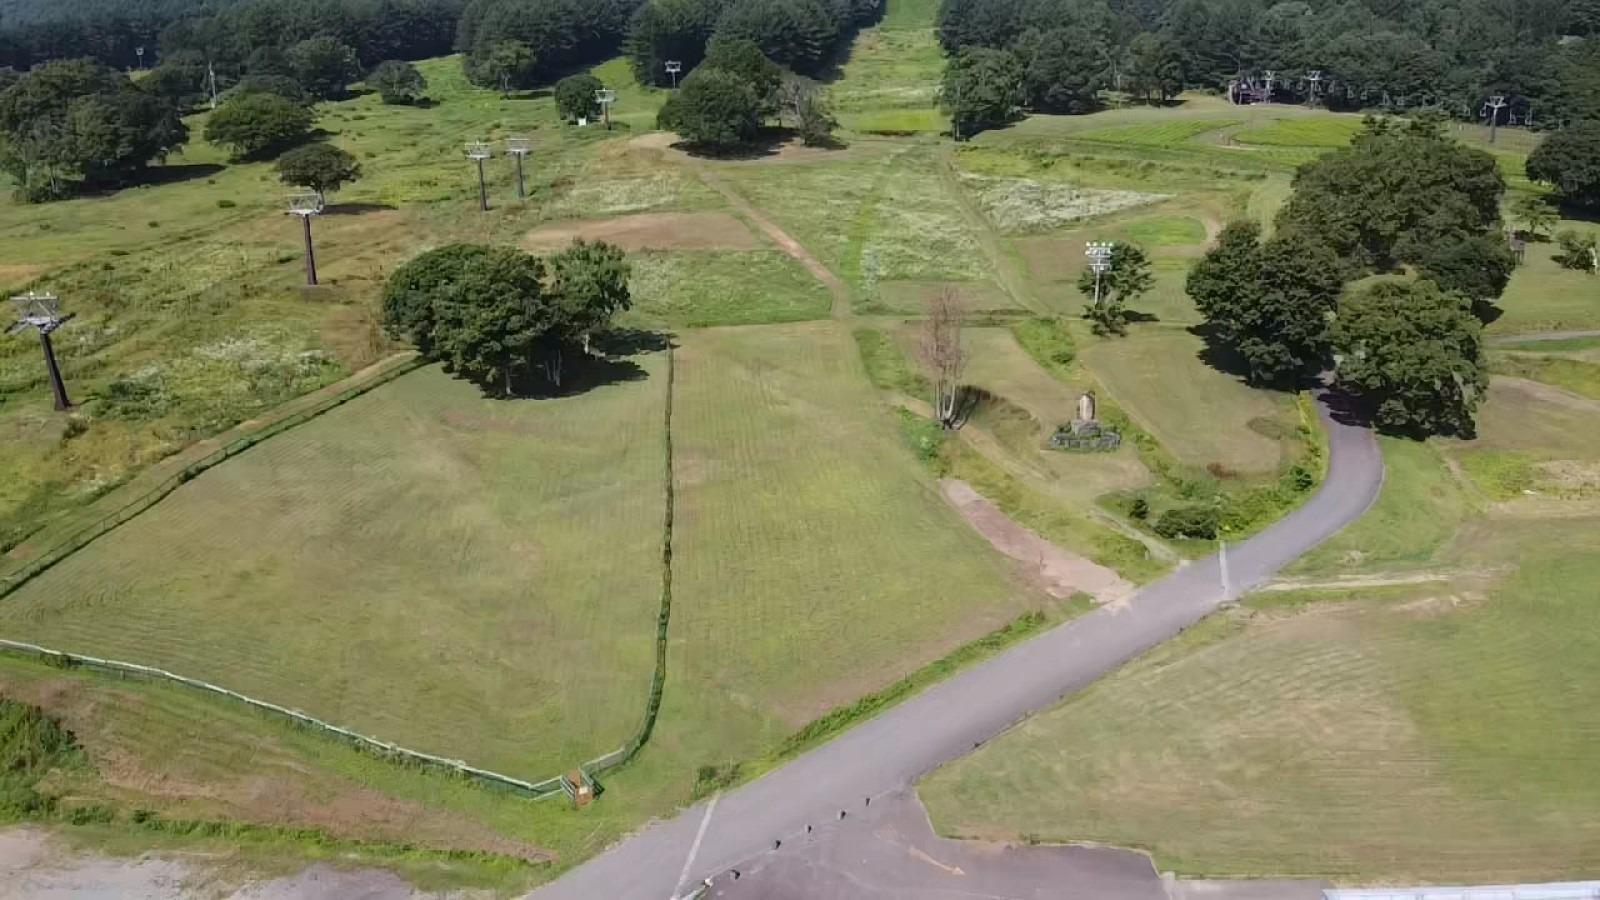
(768, 143)
(356, 209)
(1219, 356)
(155, 176)
(610, 361)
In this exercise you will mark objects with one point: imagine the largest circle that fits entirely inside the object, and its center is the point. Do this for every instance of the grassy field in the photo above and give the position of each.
(813, 560)
(1199, 414)
(1434, 728)
(470, 523)
(888, 81)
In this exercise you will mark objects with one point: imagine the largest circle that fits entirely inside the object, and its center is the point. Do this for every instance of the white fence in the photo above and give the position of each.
(1564, 890)
(546, 788)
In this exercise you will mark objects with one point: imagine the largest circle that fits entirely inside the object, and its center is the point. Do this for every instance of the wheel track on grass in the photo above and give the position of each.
(837, 289)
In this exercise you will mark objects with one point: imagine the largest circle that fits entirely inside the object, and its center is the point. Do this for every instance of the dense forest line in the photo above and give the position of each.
(1542, 56)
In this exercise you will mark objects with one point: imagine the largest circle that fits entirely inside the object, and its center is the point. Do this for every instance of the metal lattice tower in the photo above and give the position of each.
(478, 151)
(42, 313)
(519, 147)
(305, 204)
(605, 97)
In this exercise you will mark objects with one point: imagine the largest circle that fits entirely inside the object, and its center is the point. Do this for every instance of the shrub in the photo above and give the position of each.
(397, 82)
(1188, 522)
(1577, 250)
(575, 96)
(254, 125)
(1140, 508)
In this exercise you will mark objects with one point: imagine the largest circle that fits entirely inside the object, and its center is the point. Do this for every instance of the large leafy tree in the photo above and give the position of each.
(714, 109)
(410, 292)
(1413, 356)
(1569, 160)
(324, 66)
(575, 96)
(489, 320)
(1155, 67)
(397, 82)
(1063, 69)
(982, 89)
(1405, 194)
(320, 166)
(1270, 305)
(258, 125)
(741, 57)
(76, 122)
(496, 314)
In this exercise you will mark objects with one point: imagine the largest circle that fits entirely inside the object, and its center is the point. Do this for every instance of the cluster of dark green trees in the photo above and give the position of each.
(77, 123)
(1410, 217)
(722, 103)
(504, 318)
(800, 35)
(1057, 55)
(223, 32)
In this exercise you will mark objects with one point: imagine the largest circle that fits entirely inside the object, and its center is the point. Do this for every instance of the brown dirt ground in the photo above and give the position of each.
(650, 231)
(1059, 573)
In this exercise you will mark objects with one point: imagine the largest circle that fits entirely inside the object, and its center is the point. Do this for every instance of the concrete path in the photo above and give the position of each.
(888, 754)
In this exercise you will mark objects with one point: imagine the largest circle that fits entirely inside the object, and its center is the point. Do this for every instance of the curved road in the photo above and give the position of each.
(886, 755)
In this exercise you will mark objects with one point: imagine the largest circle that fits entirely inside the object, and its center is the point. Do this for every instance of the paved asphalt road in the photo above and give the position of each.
(886, 755)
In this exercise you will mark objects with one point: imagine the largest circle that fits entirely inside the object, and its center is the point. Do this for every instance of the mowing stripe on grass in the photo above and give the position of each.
(130, 510)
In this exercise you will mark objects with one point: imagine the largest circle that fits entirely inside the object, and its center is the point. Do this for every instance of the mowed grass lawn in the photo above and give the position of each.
(1442, 733)
(813, 559)
(468, 577)
(1199, 414)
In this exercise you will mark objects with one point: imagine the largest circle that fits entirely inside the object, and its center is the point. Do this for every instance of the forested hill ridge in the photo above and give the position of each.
(1543, 56)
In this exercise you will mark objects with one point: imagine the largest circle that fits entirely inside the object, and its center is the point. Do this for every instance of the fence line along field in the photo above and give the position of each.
(472, 578)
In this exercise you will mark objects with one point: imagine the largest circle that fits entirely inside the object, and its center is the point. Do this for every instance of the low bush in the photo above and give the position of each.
(1188, 522)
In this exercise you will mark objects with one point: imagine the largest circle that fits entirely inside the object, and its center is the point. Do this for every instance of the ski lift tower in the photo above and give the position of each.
(605, 97)
(673, 68)
(1492, 110)
(1314, 81)
(519, 147)
(305, 204)
(42, 313)
(478, 151)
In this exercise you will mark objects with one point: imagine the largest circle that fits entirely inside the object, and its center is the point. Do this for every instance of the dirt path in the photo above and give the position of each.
(1542, 336)
(1004, 267)
(841, 293)
(37, 866)
(1551, 394)
(1059, 573)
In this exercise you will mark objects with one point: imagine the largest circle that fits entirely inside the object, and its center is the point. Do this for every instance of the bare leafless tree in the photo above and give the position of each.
(941, 352)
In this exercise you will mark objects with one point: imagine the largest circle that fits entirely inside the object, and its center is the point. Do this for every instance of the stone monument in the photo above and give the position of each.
(1084, 432)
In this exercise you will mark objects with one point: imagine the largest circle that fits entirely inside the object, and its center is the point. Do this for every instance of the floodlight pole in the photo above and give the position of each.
(211, 81)
(1099, 253)
(1314, 77)
(605, 97)
(673, 68)
(139, 51)
(45, 320)
(305, 206)
(1495, 104)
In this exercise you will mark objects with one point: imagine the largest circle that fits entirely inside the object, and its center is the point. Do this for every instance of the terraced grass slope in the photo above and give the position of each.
(469, 577)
